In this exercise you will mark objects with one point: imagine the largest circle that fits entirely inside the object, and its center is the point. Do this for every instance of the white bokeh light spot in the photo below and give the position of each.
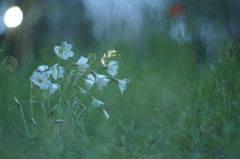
(13, 17)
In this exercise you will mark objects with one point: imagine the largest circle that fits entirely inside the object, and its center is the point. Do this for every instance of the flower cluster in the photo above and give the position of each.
(41, 77)
(44, 76)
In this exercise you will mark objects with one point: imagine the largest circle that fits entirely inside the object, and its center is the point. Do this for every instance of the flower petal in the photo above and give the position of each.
(101, 81)
(53, 88)
(123, 84)
(97, 103)
(112, 68)
(89, 82)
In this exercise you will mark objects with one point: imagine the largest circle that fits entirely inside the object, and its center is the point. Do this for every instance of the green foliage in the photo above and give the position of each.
(173, 108)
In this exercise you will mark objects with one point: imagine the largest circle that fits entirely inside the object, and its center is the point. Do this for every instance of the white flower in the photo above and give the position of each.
(89, 82)
(123, 84)
(41, 80)
(101, 81)
(43, 68)
(53, 88)
(64, 51)
(57, 71)
(105, 113)
(82, 63)
(112, 68)
(97, 103)
(83, 91)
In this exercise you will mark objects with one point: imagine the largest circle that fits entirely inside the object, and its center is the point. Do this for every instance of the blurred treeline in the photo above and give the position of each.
(204, 25)
(45, 25)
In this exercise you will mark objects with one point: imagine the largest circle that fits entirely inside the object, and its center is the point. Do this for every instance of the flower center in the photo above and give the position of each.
(40, 80)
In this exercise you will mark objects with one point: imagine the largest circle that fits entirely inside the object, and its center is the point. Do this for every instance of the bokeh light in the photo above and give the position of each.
(108, 55)
(13, 17)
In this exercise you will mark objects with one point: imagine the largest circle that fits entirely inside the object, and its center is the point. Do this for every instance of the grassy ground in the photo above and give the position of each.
(173, 108)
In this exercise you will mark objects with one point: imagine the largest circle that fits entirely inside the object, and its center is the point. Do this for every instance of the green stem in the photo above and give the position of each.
(31, 100)
(24, 122)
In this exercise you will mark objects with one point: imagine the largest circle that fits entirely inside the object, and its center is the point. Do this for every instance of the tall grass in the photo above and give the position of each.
(173, 108)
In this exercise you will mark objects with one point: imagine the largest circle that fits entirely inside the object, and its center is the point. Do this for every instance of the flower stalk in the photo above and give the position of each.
(22, 113)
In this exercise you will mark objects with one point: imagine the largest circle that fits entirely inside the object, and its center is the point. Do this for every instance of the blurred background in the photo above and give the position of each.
(203, 25)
